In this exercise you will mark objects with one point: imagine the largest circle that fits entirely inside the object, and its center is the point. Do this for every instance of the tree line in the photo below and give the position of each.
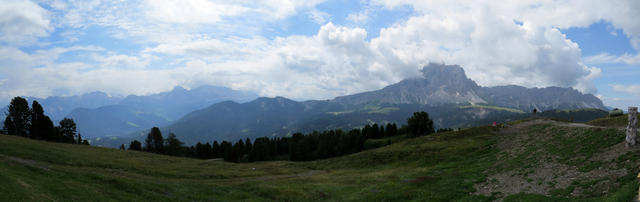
(31, 122)
(297, 147)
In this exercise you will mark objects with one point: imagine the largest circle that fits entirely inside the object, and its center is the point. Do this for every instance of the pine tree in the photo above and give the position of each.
(8, 127)
(122, 147)
(41, 125)
(420, 124)
(37, 115)
(154, 142)
(68, 130)
(215, 149)
(18, 120)
(248, 146)
(173, 145)
(135, 145)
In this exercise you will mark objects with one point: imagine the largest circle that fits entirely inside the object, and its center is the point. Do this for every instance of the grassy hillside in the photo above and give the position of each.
(532, 161)
(617, 121)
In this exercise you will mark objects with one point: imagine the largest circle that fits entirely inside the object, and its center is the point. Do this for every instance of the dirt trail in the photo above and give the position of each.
(277, 177)
(26, 162)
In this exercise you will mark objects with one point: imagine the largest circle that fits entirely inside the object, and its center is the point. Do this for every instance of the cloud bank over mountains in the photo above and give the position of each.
(55, 47)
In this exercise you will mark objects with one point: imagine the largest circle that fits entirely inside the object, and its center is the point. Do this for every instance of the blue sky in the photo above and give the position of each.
(315, 49)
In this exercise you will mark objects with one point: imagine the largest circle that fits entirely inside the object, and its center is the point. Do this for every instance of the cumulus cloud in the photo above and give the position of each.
(606, 58)
(359, 17)
(630, 89)
(191, 12)
(546, 13)
(319, 16)
(219, 43)
(23, 21)
(123, 61)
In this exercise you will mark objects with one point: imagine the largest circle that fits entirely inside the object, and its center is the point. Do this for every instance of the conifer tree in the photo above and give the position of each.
(135, 145)
(154, 142)
(68, 130)
(18, 119)
(173, 145)
(420, 124)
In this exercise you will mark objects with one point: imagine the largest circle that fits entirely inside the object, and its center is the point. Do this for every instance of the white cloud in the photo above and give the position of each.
(319, 16)
(123, 61)
(359, 17)
(219, 43)
(191, 12)
(630, 89)
(606, 58)
(280, 9)
(493, 49)
(23, 21)
(546, 13)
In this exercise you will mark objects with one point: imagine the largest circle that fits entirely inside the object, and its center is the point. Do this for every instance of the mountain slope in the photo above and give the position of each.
(448, 84)
(58, 107)
(527, 99)
(230, 120)
(178, 102)
(439, 84)
(136, 113)
(113, 120)
(444, 91)
(538, 160)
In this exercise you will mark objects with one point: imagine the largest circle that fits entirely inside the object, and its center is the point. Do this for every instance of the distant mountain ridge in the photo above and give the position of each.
(176, 103)
(57, 107)
(448, 84)
(98, 114)
(135, 113)
(452, 100)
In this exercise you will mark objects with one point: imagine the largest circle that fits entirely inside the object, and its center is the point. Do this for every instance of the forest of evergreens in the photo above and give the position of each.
(31, 122)
(297, 147)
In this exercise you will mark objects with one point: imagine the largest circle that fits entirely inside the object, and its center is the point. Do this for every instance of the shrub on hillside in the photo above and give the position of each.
(615, 112)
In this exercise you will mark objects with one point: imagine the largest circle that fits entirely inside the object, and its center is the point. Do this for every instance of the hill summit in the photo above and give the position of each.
(439, 84)
(442, 84)
(444, 91)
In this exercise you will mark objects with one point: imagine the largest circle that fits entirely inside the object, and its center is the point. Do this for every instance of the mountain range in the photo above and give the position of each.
(444, 91)
(58, 107)
(448, 84)
(210, 113)
(98, 114)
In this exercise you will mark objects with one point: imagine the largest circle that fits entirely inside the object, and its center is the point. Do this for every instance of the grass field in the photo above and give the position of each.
(535, 160)
(494, 108)
(617, 121)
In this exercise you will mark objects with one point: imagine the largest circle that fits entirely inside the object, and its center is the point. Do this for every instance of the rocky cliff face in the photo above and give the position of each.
(448, 84)
(527, 99)
(438, 84)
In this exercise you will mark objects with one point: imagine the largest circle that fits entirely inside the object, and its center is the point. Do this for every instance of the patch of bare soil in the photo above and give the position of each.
(525, 166)
(278, 177)
(27, 162)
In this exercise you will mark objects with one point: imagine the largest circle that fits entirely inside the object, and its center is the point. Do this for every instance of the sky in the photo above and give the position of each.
(315, 49)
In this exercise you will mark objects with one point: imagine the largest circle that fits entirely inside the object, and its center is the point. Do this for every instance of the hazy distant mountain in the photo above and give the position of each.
(229, 119)
(136, 113)
(57, 107)
(444, 91)
(176, 103)
(113, 120)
